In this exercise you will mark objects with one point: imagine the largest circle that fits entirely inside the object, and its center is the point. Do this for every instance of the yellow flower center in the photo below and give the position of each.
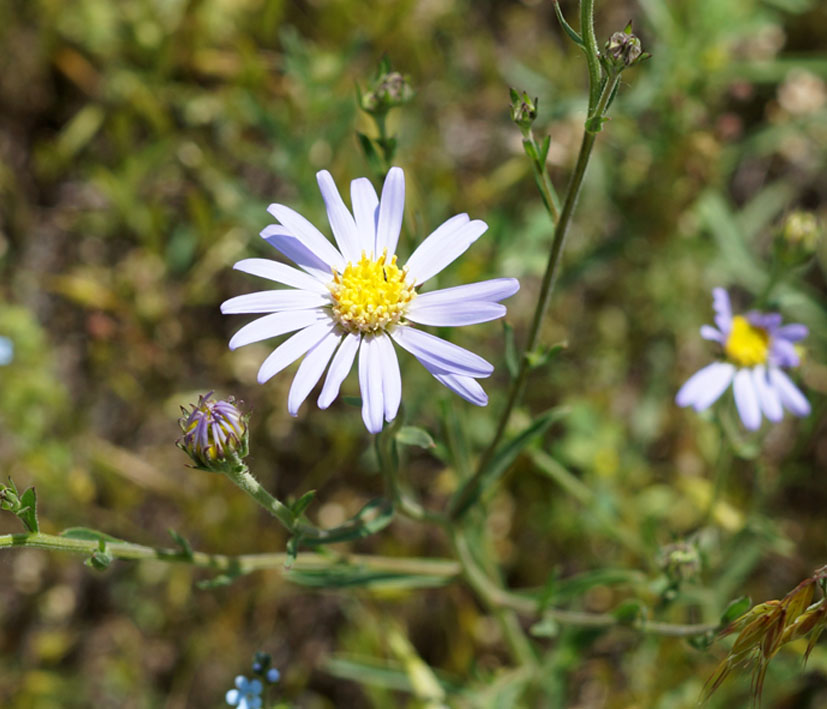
(370, 295)
(747, 345)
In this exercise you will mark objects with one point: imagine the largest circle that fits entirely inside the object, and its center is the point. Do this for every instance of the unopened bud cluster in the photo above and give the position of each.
(523, 110)
(215, 434)
(624, 50)
(388, 90)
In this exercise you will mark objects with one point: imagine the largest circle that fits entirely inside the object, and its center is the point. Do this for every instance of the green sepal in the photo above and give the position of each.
(182, 542)
(414, 436)
(512, 360)
(300, 505)
(569, 30)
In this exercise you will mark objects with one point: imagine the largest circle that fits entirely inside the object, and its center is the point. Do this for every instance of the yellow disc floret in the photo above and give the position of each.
(747, 345)
(370, 295)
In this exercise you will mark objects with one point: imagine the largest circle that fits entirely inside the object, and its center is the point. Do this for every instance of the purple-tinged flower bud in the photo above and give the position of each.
(215, 434)
(388, 90)
(523, 110)
(624, 49)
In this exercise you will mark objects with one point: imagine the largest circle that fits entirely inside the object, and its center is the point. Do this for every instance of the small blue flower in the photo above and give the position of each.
(273, 675)
(246, 695)
(6, 350)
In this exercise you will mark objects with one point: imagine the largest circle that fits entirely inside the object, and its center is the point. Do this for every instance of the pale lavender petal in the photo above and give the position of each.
(493, 290)
(309, 235)
(792, 332)
(723, 310)
(704, 387)
(366, 212)
(766, 321)
(340, 218)
(767, 396)
(467, 387)
(438, 355)
(311, 370)
(391, 379)
(391, 211)
(746, 399)
(454, 314)
(339, 369)
(271, 301)
(783, 354)
(443, 246)
(370, 384)
(791, 397)
(274, 325)
(280, 273)
(282, 240)
(293, 348)
(710, 333)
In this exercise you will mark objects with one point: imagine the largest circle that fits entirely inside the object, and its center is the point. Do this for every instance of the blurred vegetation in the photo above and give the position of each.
(140, 142)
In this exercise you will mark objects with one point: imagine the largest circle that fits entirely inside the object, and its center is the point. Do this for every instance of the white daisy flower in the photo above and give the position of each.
(756, 346)
(355, 298)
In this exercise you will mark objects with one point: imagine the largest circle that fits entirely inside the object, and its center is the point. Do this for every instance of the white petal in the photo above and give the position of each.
(767, 396)
(710, 333)
(340, 218)
(391, 210)
(704, 387)
(746, 399)
(370, 384)
(310, 371)
(494, 290)
(309, 235)
(790, 395)
(280, 273)
(293, 348)
(438, 355)
(443, 246)
(282, 240)
(365, 211)
(271, 301)
(391, 379)
(467, 387)
(455, 314)
(339, 369)
(274, 325)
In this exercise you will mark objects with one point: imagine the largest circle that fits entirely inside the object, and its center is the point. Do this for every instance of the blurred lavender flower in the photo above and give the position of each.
(756, 346)
(246, 695)
(355, 298)
(6, 351)
(215, 434)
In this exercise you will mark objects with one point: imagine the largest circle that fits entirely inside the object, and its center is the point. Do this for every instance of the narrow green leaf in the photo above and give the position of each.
(182, 542)
(300, 505)
(28, 510)
(735, 609)
(414, 436)
(369, 149)
(89, 535)
(569, 30)
(544, 150)
(347, 576)
(630, 611)
(373, 517)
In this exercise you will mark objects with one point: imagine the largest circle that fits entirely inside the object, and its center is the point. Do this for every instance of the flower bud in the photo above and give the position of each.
(624, 49)
(802, 230)
(388, 90)
(523, 110)
(215, 434)
(680, 562)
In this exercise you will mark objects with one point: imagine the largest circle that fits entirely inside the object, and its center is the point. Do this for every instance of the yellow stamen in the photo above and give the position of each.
(747, 345)
(370, 295)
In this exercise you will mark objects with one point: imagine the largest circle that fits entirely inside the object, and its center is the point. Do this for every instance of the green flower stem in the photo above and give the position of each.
(389, 464)
(468, 492)
(491, 595)
(254, 489)
(242, 563)
(592, 52)
(309, 561)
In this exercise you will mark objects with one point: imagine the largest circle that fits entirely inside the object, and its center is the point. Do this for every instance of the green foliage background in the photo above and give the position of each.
(140, 142)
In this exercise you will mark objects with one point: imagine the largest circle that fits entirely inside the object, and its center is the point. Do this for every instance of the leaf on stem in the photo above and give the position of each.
(414, 436)
(569, 30)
